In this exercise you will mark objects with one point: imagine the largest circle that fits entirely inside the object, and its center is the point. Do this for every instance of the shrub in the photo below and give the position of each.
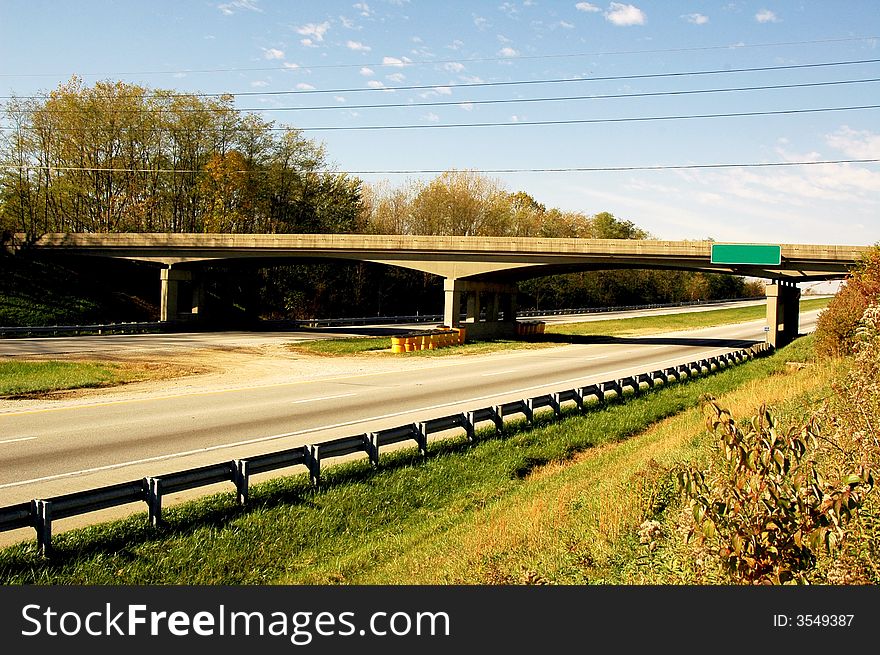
(763, 507)
(838, 324)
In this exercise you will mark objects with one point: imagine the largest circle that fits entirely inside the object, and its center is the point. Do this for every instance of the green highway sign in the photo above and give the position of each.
(745, 253)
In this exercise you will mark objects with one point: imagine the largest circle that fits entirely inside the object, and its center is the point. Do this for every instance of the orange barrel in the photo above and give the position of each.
(420, 342)
(461, 335)
(409, 343)
(541, 325)
(447, 337)
(432, 340)
(397, 345)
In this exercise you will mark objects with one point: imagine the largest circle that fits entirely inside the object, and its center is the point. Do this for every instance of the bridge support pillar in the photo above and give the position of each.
(182, 297)
(783, 309)
(499, 301)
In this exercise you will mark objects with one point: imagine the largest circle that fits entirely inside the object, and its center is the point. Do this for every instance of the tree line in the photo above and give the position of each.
(120, 157)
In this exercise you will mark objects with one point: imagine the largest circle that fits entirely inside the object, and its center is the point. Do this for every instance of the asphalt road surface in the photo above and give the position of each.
(192, 340)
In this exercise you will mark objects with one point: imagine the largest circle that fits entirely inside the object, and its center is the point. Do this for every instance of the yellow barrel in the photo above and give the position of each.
(409, 344)
(432, 340)
(397, 345)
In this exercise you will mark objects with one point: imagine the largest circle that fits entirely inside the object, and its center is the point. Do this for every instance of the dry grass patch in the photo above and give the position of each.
(566, 523)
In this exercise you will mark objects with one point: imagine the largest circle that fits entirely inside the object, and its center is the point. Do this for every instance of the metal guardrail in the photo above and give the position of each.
(40, 513)
(156, 326)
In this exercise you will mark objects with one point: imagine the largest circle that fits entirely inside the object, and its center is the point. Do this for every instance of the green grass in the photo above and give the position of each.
(365, 526)
(625, 327)
(381, 346)
(641, 325)
(18, 378)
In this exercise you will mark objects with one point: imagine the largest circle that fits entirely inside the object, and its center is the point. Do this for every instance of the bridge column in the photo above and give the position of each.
(502, 299)
(180, 299)
(783, 310)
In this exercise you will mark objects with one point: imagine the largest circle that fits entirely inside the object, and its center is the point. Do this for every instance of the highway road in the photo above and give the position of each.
(51, 450)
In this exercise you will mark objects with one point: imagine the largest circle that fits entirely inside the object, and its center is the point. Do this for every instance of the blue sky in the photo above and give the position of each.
(469, 60)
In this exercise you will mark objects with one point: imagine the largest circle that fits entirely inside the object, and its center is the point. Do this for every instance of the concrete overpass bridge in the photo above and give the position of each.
(476, 270)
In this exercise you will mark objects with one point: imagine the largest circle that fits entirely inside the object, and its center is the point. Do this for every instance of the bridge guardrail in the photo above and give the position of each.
(39, 513)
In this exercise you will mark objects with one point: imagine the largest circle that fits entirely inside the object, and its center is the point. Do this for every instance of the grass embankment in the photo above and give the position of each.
(556, 503)
(24, 378)
(624, 327)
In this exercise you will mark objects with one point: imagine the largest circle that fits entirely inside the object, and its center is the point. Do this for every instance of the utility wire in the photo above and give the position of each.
(580, 169)
(574, 121)
(434, 62)
(582, 121)
(447, 103)
(472, 85)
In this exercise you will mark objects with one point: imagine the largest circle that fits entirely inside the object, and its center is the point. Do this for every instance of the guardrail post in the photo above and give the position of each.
(154, 501)
(371, 445)
(422, 439)
(43, 525)
(313, 462)
(241, 481)
(469, 428)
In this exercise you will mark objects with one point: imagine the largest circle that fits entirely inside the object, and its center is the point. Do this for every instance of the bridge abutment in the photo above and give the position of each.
(783, 310)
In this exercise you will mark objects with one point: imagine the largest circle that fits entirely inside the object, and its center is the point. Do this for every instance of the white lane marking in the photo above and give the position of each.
(17, 440)
(486, 375)
(316, 400)
(322, 428)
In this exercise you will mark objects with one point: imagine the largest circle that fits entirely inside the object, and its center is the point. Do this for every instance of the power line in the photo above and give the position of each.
(434, 62)
(447, 103)
(574, 121)
(425, 171)
(583, 121)
(472, 85)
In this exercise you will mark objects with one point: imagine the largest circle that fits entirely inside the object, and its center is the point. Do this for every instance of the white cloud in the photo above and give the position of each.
(394, 61)
(453, 67)
(568, 26)
(455, 45)
(259, 83)
(467, 106)
(339, 98)
(858, 144)
(696, 19)
(347, 23)
(229, 8)
(367, 72)
(432, 117)
(396, 77)
(443, 90)
(303, 86)
(273, 53)
(480, 22)
(313, 31)
(587, 7)
(290, 64)
(624, 15)
(766, 16)
(508, 52)
(357, 46)
(363, 8)
(375, 84)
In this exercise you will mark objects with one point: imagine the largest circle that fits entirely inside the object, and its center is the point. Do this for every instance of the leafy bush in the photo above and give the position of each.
(838, 324)
(763, 507)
